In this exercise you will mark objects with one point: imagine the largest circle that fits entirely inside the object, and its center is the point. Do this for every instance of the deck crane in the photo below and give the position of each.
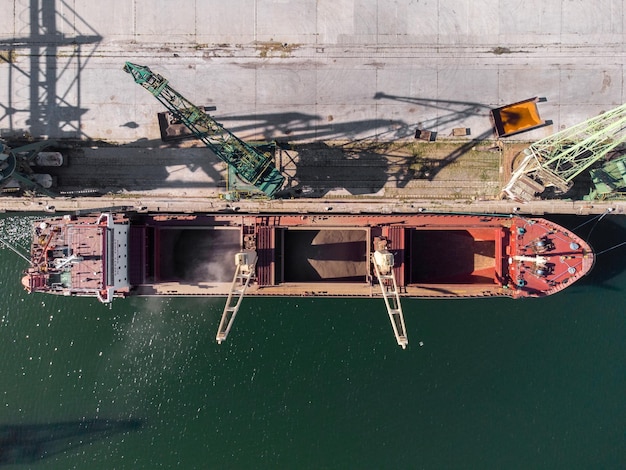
(556, 160)
(383, 262)
(248, 163)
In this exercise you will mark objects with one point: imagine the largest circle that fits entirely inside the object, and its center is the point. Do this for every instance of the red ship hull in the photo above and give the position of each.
(435, 255)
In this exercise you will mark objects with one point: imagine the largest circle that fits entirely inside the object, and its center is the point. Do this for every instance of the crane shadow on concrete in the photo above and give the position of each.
(143, 165)
(457, 153)
(301, 128)
(24, 444)
(453, 111)
(355, 168)
(54, 75)
(323, 157)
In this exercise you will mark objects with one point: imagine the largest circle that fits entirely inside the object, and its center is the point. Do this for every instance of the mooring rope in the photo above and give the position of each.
(595, 225)
(588, 221)
(612, 248)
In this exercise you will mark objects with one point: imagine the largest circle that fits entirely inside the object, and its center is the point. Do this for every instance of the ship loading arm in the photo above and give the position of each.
(383, 262)
(245, 263)
(248, 163)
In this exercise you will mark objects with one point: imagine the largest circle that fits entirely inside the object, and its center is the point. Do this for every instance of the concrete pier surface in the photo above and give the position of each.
(315, 74)
(337, 205)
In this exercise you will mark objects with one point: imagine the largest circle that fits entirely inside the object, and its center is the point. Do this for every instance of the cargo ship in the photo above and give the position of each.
(108, 255)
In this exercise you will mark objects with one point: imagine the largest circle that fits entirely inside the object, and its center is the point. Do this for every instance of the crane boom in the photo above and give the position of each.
(556, 160)
(248, 163)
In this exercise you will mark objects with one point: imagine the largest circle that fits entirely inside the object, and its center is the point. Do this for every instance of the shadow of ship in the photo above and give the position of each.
(604, 234)
(30, 443)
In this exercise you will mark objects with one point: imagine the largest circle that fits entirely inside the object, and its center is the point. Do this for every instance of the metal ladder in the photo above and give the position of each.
(244, 272)
(389, 290)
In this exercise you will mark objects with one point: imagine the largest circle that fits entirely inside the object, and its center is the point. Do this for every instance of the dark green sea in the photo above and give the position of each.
(318, 384)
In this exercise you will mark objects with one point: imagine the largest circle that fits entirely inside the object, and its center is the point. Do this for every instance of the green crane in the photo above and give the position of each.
(556, 160)
(247, 162)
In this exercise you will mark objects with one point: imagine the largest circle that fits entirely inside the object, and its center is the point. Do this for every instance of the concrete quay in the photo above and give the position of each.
(313, 206)
(307, 70)
(343, 177)
(312, 73)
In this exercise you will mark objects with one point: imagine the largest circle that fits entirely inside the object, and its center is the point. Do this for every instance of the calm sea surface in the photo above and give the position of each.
(318, 384)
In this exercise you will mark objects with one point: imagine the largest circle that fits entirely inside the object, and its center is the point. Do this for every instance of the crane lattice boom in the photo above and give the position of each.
(248, 163)
(558, 159)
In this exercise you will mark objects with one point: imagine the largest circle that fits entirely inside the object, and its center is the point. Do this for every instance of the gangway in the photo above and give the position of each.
(383, 262)
(250, 164)
(245, 263)
(557, 159)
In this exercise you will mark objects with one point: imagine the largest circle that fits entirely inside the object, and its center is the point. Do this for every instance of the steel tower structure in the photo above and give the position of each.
(556, 160)
(248, 163)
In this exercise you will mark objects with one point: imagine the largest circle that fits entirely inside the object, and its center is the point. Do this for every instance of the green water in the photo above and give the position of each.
(317, 384)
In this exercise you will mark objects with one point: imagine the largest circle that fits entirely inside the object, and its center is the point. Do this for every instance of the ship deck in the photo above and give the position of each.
(435, 255)
(88, 246)
(313, 255)
(431, 255)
